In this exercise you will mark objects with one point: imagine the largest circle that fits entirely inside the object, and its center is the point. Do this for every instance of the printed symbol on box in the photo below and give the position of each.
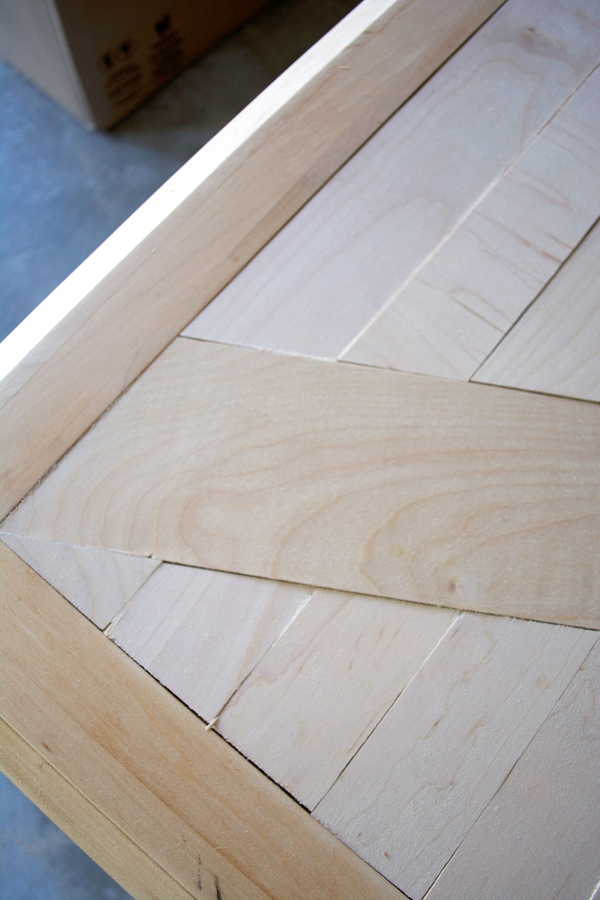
(163, 24)
(107, 61)
(126, 50)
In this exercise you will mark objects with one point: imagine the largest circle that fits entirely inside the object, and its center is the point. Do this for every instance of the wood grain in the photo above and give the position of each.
(83, 822)
(331, 269)
(201, 633)
(97, 582)
(416, 787)
(555, 347)
(325, 684)
(128, 301)
(148, 764)
(341, 476)
(451, 315)
(540, 835)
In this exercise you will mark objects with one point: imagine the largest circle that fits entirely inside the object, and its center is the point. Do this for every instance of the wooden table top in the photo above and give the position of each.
(350, 518)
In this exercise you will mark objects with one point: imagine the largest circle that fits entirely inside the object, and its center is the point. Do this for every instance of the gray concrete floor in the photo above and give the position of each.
(63, 191)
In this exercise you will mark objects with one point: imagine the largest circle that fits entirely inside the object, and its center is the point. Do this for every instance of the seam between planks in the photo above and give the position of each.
(509, 773)
(460, 222)
(520, 316)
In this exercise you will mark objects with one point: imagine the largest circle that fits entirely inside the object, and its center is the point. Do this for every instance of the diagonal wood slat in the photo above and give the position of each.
(453, 313)
(324, 277)
(341, 476)
(416, 787)
(147, 764)
(555, 346)
(540, 835)
(115, 314)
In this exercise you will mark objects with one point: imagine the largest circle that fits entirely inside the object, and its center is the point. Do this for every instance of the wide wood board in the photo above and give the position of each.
(340, 476)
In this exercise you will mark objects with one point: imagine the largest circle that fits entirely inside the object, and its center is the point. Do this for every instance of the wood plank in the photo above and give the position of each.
(347, 252)
(149, 765)
(126, 303)
(555, 346)
(82, 822)
(341, 476)
(99, 583)
(325, 684)
(201, 633)
(540, 835)
(451, 315)
(416, 787)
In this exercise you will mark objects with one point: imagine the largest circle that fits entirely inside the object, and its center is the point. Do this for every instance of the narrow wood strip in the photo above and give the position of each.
(201, 633)
(83, 823)
(540, 835)
(415, 788)
(453, 313)
(97, 582)
(555, 347)
(341, 476)
(332, 268)
(325, 684)
(155, 275)
(149, 765)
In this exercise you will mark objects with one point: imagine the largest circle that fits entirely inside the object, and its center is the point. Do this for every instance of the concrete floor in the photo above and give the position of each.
(63, 191)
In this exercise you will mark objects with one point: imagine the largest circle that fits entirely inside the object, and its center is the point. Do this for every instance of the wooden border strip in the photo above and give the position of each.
(147, 764)
(146, 283)
(87, 826)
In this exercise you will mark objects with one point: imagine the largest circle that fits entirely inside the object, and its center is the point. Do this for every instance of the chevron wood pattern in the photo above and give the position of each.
(453, 313)
(439, 756)
(340, 476)
(319, 283)
(380, 586)
(555, 347)
(527, 822)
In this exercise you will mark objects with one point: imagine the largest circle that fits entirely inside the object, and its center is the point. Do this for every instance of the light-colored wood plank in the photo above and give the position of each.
(555, 347)
(415, 788)
(341, 476)
(123, 306)
(453, 313)
(346, 253)
(82, 822)
(323, 687)
(99, 583)
(148, 764)
(540, 836)
(201, 633)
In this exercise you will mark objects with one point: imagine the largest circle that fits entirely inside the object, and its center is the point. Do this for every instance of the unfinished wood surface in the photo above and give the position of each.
(555, 347)
(148, 764)
(97, 582)
(153, 276)
(201, 633)
(82, 822)
(325, 684)
(540, 836)
(340, 476)
(346, 253)
(451, 315)
(410, 795)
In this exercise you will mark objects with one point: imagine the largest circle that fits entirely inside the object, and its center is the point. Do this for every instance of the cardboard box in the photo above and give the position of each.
(101, 58)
